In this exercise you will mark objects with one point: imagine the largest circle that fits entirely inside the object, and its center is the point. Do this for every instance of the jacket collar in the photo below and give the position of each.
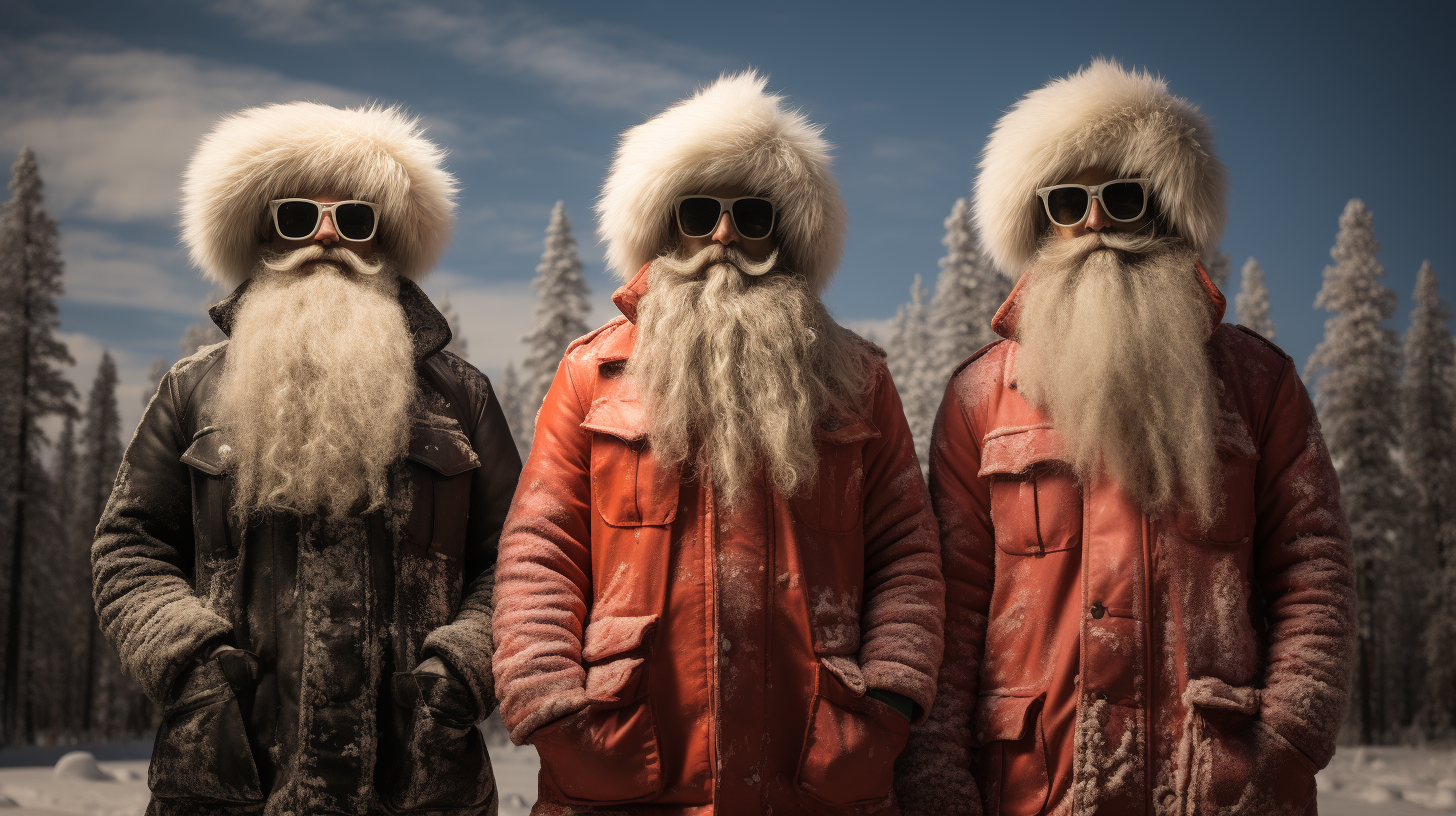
(630, 293)
(1004, 323)
(429, 331)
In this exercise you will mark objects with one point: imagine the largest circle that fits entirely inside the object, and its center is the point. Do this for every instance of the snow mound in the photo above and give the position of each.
(7, 802)
(1378, 795)
(81, 765)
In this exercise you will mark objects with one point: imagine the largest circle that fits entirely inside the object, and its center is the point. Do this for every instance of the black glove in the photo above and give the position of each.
(444, 694)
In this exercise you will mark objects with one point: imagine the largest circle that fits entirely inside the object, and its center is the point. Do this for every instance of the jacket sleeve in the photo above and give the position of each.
(142, 557)
(904, 593)
(1304, 574)
(465, 643)
(544, 578)
(933, 774)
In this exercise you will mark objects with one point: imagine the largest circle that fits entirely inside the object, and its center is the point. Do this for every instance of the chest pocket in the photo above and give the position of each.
(1036, 505)
(630, 488)
(836, 501)
(442, 498)
(1238, 459)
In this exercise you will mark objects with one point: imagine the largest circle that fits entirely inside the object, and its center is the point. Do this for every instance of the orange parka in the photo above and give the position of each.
(1099, 660)
(666, 654)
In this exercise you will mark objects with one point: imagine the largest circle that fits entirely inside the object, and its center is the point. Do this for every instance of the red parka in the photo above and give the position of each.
(666, 654)
(1099, 660)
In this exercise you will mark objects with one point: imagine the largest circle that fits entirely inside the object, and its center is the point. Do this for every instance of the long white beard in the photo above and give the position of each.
(317, 385)
(1112, 349)
(737, 366)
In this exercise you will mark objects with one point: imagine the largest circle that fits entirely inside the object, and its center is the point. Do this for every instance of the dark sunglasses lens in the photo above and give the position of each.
(354, 221)
(1067, 205)
(753, 217)
(1124, 200)
(296, 219)
(697, 217)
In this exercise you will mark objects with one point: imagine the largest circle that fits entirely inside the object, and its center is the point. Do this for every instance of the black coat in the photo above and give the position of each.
(367, 643)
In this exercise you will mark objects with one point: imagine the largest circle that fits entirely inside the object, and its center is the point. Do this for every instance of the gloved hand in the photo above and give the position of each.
(444, 694)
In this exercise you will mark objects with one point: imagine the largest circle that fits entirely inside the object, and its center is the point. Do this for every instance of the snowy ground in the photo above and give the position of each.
(1381, 781)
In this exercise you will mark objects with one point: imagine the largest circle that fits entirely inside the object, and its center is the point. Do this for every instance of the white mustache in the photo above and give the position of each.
(294, 260)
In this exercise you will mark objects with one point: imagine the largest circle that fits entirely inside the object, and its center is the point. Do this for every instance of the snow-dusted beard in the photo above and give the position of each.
(738, 366)
(1112, 331)
(317, 384)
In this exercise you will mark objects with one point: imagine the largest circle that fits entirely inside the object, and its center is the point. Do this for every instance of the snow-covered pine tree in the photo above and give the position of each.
(1428, 406)
(457, 344)
(1252, 302)
(907, 356)
(968, 292)
(509, 393)
(32, 386)
(110, 697)
(1218, 265)
(1355, 370)
(202, 333)
(561, 310)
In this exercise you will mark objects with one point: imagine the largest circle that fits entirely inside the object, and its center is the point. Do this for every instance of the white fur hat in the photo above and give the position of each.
(371, 153)
(730, 133)
(1126, 121)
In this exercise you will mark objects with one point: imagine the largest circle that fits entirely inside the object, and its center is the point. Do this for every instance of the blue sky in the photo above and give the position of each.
(1309, 112)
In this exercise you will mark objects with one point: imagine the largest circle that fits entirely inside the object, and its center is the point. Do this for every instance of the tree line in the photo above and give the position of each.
(1387, 409)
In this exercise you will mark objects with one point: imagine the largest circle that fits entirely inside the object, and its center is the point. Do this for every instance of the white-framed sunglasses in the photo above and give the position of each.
(698, 215)
(298, 219)
(1067, 205)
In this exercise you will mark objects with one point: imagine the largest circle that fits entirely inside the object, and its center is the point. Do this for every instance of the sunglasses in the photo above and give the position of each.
(298, 219)
(698, 215)
(1067, 205)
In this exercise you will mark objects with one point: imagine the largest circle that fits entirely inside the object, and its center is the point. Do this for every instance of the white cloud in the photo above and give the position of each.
(113, 126)
(592, 65)
(102, 268)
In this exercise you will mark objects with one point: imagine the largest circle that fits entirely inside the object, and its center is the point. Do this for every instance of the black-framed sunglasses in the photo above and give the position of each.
(697, 215)
(1067, 205)
(298, 219)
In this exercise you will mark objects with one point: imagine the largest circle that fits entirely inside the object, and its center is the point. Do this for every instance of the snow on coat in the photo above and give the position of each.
(366, 643)
(665, 655)
(1102, 661)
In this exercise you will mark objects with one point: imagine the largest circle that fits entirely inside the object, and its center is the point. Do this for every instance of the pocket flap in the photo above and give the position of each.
(624, 419)
(208, 452)
(842, 429)
(1004, 718)
(1008, 451)
(446, 451)
(608, 637)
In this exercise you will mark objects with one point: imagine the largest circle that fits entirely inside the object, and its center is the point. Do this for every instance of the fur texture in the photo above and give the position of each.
(371, 153)
(731, 133)
(1103, 115)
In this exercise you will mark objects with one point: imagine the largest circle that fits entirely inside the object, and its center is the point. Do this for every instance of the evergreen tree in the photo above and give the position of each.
(1253, 301)
(31, 386)
(202, 333)
(907, 355)
(1218, 265)
(458, 344)
(1355, 370)
(1429, 454)
(509, 394)
(561, 310)
(968, 292)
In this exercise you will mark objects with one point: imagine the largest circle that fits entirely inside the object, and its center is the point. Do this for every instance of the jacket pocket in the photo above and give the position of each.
(835, 501)
(1036, 505)
(1238, 459)
(428, 764)
(851, 743)
(442, 488)
(608, 752)
(201, 751)
(1231, 761)
(1012, 756)
(629, 486)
